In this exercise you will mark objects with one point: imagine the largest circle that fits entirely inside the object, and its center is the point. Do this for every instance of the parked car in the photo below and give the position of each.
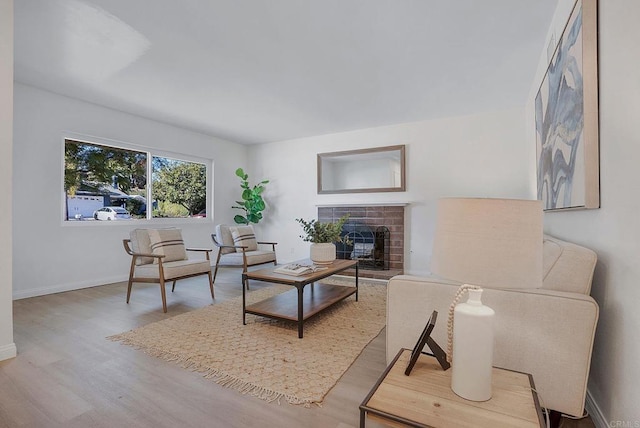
(201, 214)
(111, 213)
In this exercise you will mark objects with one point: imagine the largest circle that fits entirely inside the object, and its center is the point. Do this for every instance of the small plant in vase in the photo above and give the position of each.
(323, 238)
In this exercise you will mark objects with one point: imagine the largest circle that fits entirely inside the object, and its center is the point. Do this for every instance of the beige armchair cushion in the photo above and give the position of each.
(244, 236)
(223, 233)
(167, 242)
(140, 243)
(175, 269)
(253, 258)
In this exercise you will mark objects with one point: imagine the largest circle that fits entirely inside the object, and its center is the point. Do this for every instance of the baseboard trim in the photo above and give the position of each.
(42, 291)
(594, 411)
(8, 351)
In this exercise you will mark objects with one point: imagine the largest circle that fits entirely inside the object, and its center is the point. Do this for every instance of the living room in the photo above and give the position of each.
(480, 153)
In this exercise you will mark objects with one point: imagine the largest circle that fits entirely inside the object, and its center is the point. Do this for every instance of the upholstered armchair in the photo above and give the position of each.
(547, 332)
(159, 255)
(238, 248)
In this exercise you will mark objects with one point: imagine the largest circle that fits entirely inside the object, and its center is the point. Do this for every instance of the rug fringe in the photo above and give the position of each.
(222, 379)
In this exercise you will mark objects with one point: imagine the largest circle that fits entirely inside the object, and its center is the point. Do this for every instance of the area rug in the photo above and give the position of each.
(265, 358)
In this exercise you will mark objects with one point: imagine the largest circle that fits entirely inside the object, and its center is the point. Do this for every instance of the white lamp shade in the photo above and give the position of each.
(494, 243)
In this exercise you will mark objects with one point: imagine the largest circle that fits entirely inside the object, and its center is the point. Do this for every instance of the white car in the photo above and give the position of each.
(111, 213)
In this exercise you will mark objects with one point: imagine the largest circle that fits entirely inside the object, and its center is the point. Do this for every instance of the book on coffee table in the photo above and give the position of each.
(297, 269)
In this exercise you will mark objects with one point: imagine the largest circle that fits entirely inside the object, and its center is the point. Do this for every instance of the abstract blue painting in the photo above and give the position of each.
(560, 124)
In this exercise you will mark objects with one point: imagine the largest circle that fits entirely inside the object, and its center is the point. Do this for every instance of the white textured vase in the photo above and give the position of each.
(472, 349)
(323, 254)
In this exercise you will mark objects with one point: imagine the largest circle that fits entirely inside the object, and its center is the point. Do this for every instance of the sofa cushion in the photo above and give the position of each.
(140, 243)
(244, 236)
(567, 266)
(167, 242)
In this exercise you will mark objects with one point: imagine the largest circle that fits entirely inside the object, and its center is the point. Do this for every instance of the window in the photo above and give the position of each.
(179, 188)
(102, 182)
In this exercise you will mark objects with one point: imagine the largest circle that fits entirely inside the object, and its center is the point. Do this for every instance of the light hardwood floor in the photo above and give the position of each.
(67, 374)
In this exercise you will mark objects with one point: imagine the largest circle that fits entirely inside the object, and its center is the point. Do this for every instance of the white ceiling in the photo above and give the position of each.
(255, 71)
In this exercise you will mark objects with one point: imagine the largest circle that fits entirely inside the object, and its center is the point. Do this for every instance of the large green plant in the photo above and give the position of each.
(319, 233)
(252, 203)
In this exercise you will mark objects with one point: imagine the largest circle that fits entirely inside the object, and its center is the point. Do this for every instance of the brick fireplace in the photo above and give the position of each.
(374, 218)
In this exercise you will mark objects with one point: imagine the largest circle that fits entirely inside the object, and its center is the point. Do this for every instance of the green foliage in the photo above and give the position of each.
(319, 233)
(86, 162)
(252, 203)
(135, 207)
(169, 210)
(181, 183)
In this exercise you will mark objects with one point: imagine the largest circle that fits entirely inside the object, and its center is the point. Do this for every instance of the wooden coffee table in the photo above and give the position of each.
(425, 399)
(295, 304)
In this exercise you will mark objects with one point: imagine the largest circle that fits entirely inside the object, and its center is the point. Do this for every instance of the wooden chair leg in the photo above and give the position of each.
(211, 285)
(215, 272)
(129, 288)
(164, 296)
(131, 269)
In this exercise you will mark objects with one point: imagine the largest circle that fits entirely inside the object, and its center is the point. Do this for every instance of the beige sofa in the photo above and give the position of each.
(547, 332)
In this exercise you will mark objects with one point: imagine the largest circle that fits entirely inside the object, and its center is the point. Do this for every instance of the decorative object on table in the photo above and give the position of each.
(297, 269)
(566, 114)
(470, 345)
(323, 237)
(426, 339)
(261, 358)
(252, 202)
(496, 242)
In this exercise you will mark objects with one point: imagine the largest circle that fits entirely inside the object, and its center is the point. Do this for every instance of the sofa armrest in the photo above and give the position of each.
(546, 333)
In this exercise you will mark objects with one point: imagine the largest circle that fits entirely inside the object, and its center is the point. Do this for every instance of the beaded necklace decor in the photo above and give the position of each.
(461, 290)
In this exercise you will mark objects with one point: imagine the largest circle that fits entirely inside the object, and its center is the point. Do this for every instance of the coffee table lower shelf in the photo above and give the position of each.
(285, 306)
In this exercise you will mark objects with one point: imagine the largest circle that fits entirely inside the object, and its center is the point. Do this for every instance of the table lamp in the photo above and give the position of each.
(489, 242)
(492, 243)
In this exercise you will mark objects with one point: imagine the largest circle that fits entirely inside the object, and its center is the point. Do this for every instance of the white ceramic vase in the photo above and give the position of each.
(323, 254)
(472, 349)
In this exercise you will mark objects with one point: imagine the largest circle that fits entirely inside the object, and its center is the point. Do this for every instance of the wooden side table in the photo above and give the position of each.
(425, 398)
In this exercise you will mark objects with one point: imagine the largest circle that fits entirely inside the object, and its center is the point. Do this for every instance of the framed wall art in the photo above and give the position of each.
(566, 114)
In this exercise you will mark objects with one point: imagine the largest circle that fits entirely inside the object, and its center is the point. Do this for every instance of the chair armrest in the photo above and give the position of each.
(273, 244)
(129, 251)
(199, 249)
(219, 245)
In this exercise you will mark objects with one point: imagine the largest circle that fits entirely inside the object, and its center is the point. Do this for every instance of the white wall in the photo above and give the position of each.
(613, 231)
(50, 256)
(7, 347)
(482, 155)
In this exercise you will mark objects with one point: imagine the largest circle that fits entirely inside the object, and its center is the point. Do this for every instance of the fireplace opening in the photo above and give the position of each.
(369, 246)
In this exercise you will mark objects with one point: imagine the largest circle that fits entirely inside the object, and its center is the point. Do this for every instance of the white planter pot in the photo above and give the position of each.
(323, 254)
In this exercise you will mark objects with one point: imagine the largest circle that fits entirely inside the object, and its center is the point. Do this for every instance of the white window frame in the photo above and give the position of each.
(150, 152)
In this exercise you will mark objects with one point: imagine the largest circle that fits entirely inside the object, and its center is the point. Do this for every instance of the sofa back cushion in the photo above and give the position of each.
(244, 236)
(567, 266)
(169, 243)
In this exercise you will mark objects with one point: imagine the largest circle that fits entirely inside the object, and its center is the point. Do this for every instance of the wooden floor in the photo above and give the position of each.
(67, 374)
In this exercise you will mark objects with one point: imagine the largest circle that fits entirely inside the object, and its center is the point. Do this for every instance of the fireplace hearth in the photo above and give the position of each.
(369, 246)
(377, 235)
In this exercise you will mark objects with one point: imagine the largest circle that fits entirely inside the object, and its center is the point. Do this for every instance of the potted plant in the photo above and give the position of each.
(252, 203)
(323, 237)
